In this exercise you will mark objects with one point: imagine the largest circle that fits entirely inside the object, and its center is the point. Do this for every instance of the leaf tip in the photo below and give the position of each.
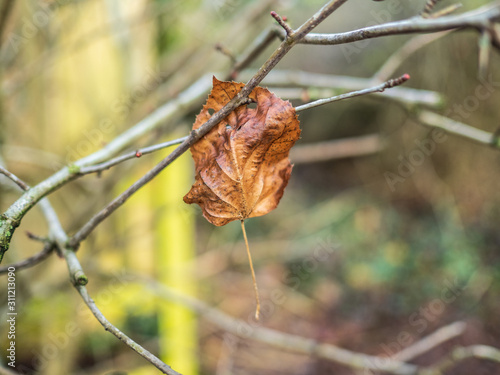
(215, 80)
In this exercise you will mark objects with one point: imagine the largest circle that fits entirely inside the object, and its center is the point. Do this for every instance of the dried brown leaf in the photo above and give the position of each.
(242, 165)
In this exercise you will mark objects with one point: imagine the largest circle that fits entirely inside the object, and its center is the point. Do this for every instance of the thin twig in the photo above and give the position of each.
(429, 342)
(217, 117)
(461, 353)
(260, 44)
(49, 245)
(35, 237)
(79, 280)
(454, 127)
(429, 6)
(164, 368)
(225, 51)
(336, 149)
(299, 78)
(379, 88)
(14, 178)
(445, 11)
(31, 261)
(495, 36)
(167, 112)
(473, 19)
(131, 155)
(484, 53)
(147, 150)
(282, 23)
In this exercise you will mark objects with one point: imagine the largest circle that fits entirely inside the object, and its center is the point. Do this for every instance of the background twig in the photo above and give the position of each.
(457, 128)
(31, 261)
(283, 340)
(336, 149)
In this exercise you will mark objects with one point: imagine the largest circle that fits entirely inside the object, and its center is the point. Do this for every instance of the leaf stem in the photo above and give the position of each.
(257, 300)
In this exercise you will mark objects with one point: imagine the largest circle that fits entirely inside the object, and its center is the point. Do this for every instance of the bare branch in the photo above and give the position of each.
(260, 44)
(429, 6)
(164, 368)
(336, 149)
(382, 87)
(330, 352)
(461, 353)
(477, 19)
(77, 275)
(316, 19)
(49, 245)
(225, 51)
(172, 110)
(31, 261)
(297, 78)
(79, 280)
(13, 215)
(217, 117)
(444, 12)
(495, 36)
(429, 342)
(14, 178)
(282, 340)
(454, 127)
(282, 23)
(484, 53)
(146, 150)
(167, 112)
(131, 155)
(15, 212)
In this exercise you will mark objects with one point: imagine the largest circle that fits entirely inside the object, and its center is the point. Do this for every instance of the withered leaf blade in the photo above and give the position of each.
(242, 165)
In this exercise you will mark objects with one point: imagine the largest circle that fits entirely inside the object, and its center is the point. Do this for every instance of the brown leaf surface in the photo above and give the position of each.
(242, 165)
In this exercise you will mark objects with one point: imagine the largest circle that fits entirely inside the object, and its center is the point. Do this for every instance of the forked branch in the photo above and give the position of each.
(476, 19)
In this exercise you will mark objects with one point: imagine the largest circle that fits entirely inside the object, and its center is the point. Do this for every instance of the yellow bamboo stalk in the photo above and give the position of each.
(174, 231)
